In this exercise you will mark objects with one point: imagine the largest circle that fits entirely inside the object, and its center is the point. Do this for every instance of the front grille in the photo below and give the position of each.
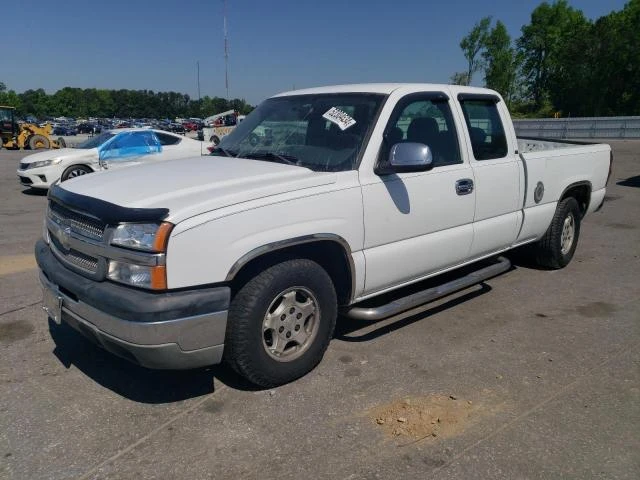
(24, 166)
(73, 257)
(80, 224)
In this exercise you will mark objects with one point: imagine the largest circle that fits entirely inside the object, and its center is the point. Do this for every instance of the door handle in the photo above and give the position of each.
(464, 186)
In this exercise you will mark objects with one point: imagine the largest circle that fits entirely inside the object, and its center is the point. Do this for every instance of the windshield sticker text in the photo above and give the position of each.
(340, 118)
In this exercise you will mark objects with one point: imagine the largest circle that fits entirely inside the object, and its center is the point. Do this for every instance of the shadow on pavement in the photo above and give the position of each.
(630, 182)
(132, 381)
(35, 192)
(524, 257)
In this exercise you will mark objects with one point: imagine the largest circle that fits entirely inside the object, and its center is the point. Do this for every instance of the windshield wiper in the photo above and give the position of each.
(273, 157)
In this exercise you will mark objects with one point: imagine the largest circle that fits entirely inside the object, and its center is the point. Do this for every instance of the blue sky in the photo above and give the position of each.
(275, 45)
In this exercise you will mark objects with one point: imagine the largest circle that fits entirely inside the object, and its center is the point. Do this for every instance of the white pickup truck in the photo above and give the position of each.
(361, 190)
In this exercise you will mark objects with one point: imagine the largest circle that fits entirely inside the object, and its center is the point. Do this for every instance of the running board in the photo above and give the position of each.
(420, 298)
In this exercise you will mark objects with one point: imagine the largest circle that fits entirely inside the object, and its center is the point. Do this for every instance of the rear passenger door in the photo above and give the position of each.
(494, 161)
(420, 222)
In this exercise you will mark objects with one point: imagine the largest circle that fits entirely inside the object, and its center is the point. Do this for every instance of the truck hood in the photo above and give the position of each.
(189, 187)
(64, 153)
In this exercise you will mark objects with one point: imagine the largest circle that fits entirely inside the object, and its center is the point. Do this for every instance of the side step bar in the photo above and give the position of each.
(420, 298)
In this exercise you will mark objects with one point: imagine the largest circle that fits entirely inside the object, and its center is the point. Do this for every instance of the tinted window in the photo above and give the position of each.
(167, 139)
(427, 121)
(488, 139)
(322, 132)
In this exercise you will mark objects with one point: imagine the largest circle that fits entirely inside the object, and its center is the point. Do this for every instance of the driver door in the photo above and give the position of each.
(129, 148)
(418, 223)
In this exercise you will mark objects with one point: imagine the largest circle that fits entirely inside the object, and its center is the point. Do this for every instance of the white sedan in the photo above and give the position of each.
(111, 149)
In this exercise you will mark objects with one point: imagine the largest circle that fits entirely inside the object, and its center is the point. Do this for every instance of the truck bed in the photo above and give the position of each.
(535, 144)
(552, 167)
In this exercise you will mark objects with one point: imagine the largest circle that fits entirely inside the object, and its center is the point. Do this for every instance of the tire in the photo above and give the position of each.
(556, 248)
(75, 171)
(62, 142)
(281, 322)
(215, 140)
(38, 141)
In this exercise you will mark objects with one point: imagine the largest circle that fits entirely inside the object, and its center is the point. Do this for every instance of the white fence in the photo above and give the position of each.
(587, 127)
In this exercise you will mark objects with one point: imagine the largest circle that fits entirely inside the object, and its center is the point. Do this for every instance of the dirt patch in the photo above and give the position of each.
(621, 226)
(596, 309)
(433, 416)
(13, 331)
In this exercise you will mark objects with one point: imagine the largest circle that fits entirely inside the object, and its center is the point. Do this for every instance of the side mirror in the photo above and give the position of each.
(407, 157)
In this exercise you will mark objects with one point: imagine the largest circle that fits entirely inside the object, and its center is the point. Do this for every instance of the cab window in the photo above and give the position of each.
(166, 139)
(425, 120)
(486, 131)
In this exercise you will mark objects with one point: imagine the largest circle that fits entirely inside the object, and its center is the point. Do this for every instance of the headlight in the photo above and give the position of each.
(150, 237)
(44, 163)
(154, 278)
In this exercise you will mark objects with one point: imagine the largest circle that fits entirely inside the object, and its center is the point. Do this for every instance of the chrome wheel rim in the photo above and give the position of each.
(568, 232)
(290, 324)
(76, 173)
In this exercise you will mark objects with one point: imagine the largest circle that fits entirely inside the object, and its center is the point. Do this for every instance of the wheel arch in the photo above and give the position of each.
(330, 251)
(581, 191)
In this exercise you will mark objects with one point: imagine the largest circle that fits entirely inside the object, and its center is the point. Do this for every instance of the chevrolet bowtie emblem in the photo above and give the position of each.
(65, 237)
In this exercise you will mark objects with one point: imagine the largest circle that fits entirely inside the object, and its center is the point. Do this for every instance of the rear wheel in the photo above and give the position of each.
(215, 140)
(75, 171)
(38, 141)
(556, 248)
(281, 322)
(62, 142)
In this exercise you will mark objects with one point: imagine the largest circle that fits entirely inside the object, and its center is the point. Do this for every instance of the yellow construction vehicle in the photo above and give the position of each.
(26, 135)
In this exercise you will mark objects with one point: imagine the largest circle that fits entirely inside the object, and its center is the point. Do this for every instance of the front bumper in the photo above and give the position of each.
(36, 178)
(169, 330)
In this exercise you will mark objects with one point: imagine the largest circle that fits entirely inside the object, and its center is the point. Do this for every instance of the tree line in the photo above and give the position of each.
(562, 64)
(101, 103)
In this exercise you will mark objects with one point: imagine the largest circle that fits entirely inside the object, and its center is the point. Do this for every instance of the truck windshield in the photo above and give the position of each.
(323, 132)
(94, 142)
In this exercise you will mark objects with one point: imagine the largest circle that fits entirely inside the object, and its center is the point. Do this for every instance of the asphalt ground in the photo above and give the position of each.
(533, 374)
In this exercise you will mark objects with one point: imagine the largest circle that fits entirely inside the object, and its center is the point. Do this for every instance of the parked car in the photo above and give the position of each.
(89, 128)
(251, 254)
(176, 128)
(111, 149)
(64, 130)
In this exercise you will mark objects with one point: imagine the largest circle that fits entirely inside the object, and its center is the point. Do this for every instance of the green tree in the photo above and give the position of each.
(552, 27)
(471, 46)
(459, 78)
(500, 62)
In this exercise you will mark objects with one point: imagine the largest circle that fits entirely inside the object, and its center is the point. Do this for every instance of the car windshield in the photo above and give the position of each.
(94, 142)
(323, 132)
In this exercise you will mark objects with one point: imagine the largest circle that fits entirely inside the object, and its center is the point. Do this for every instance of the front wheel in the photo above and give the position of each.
(38, 141)
(74, 171)
(556, 248)
(280, 323)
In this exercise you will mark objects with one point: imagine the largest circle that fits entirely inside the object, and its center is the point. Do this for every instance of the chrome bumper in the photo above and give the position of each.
(180, 342)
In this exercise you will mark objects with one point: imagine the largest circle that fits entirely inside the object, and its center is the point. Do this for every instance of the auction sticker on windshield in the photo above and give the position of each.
(340, 118)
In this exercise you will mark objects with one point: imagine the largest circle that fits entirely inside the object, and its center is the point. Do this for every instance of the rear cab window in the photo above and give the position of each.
(486, 131)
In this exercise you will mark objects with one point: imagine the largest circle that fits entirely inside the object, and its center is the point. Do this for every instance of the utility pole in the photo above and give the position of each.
(199, 99)
(226, 52)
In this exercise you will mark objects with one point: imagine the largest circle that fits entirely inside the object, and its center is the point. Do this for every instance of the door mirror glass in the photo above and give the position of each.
(409, 157)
